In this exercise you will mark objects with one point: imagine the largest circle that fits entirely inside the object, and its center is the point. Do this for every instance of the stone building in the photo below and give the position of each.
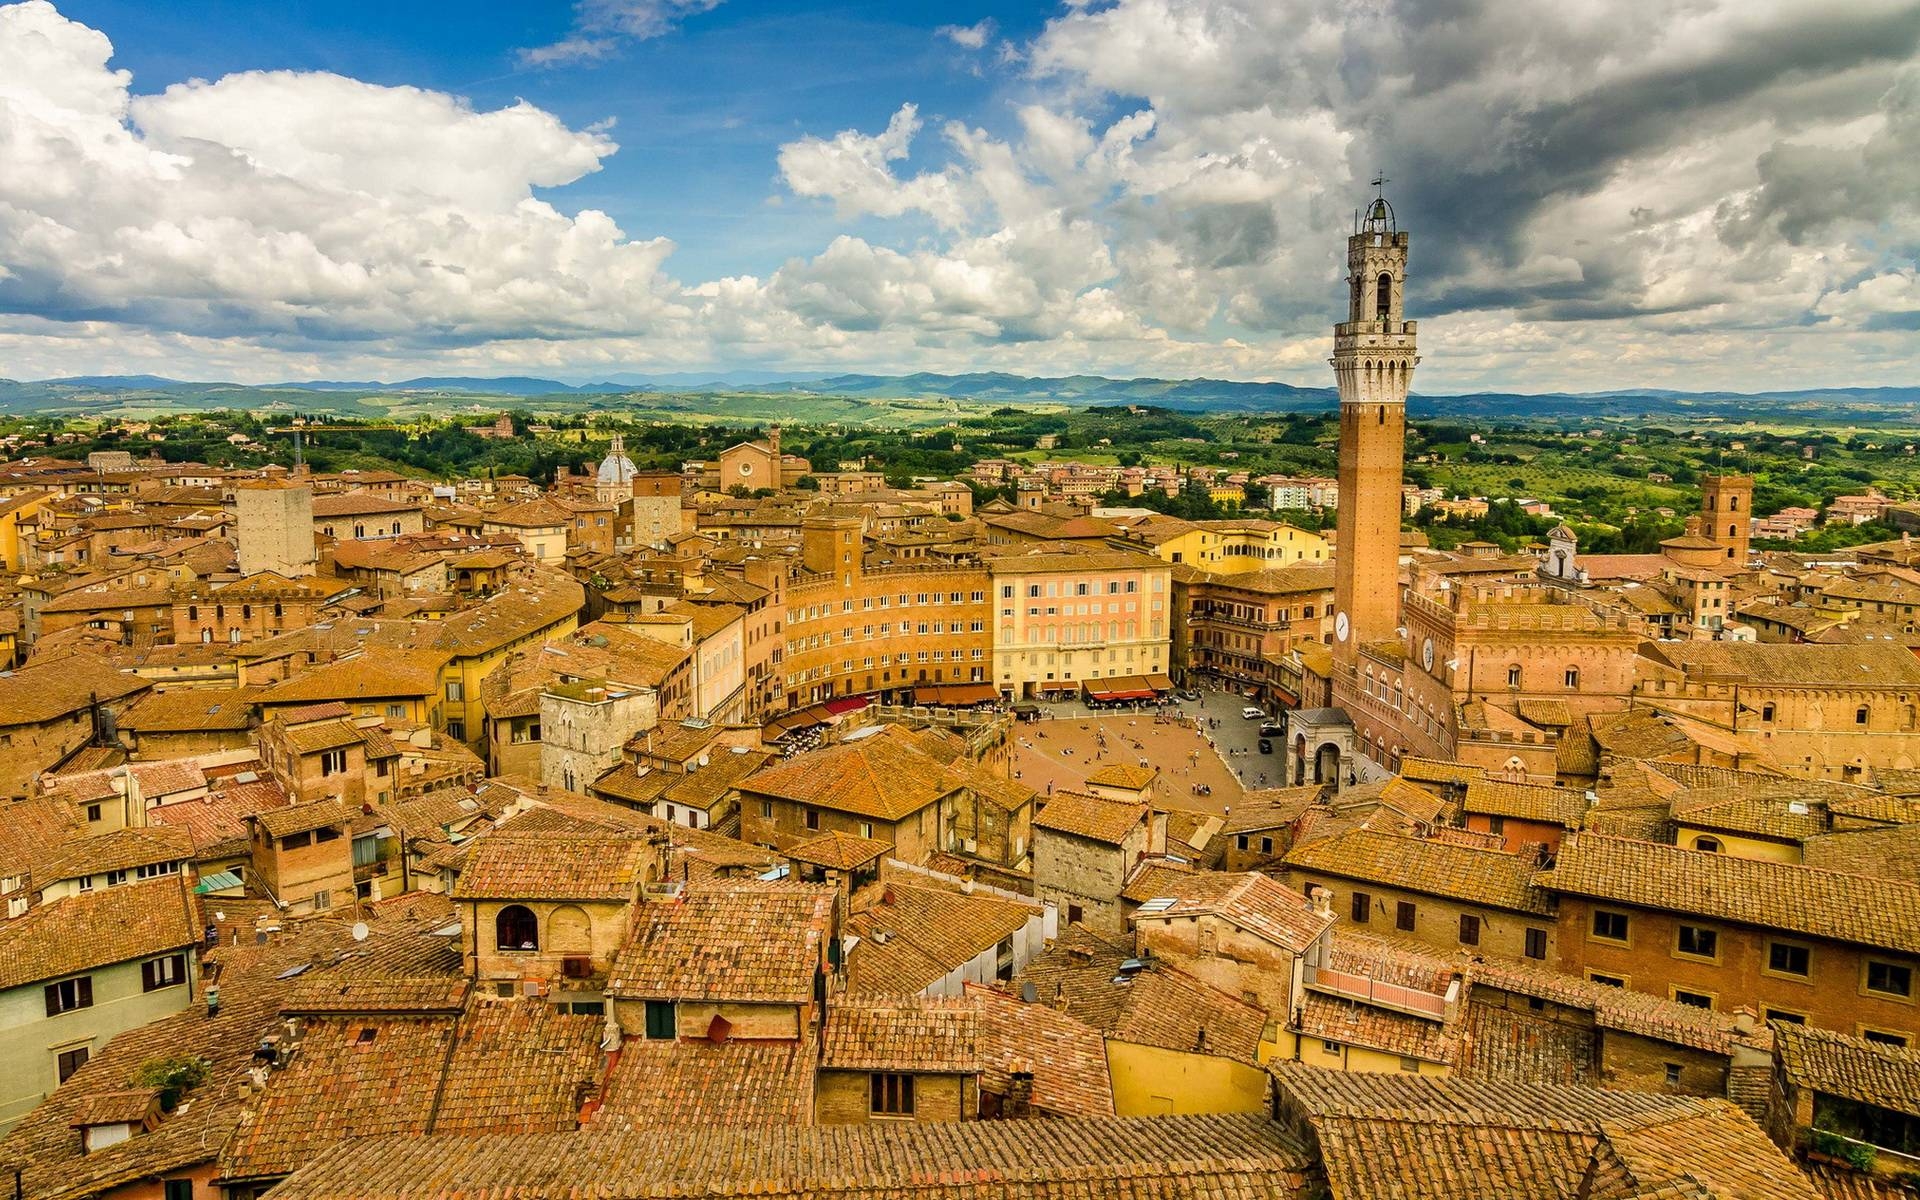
(1084, 848)
(584, 724)
(274, 528)
(1065, 620)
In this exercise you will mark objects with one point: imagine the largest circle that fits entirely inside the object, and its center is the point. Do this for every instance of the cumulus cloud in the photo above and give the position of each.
(1695, 192)
(854, 170)
(601, 26)
(969, 37)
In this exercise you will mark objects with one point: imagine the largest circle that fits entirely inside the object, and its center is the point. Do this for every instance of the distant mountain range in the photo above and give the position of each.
(105, 393)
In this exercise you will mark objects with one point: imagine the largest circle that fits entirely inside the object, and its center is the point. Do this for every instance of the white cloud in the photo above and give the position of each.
(600, 26)
(969, 37)
(853, 170)
(1730, 204)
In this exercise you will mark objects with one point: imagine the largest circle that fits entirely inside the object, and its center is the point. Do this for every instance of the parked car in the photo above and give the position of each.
(1266, 746)
(1273, 730)
(1253, 714)
(1188, 695)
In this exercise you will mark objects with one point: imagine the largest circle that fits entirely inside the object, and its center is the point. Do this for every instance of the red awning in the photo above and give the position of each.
(846, 704)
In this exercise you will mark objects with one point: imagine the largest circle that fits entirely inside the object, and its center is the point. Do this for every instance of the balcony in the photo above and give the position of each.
(1352, 985)
(1224, 617)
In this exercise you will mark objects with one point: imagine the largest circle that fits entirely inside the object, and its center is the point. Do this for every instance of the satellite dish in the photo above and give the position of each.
(359, 931)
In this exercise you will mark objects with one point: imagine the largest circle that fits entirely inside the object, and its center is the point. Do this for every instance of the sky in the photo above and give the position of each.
(1689, 194)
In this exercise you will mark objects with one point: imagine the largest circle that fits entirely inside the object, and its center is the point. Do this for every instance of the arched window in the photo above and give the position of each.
(1707, 844)
(1860, 715)
(1573, 677)
(516, 928)
(1733, 504)
(1383, 297)
(1766, 712)
(1513, 675)
(1733, 531)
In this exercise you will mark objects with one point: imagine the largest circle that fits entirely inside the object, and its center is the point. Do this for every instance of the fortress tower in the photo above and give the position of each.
(1373, 361)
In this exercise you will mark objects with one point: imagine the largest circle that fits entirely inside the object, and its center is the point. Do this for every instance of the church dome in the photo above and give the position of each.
(616, 468)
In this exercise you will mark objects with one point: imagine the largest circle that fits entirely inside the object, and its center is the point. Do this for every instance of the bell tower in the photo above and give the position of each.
(1373, 361)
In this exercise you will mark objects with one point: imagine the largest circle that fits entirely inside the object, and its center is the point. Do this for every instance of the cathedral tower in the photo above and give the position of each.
(1373, 360)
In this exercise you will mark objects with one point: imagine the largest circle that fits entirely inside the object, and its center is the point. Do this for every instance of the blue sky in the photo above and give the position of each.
(1692, 194)
(699, 113)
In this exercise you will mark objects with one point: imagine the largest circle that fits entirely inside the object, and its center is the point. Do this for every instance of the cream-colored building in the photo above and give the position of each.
(78, 971)
(1063, 619)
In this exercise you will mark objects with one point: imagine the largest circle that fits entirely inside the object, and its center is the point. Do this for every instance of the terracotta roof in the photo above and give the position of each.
(1640, 1013)
(924, 934)
(1156, 1005)
(1838, 1064)
(46, 689)
(1490, 877)
(911, 1033)
(1094, 818)
(322, 735)
(1565, 807)
(1351, 1023)
(97, 929)
(303, 818)
(1855, 667)
(1423, 1138)
(696, 1084)
(1238, 1157)
(887, 775)
(119, 850)
(1067, 1058)
(416, 995)
(1799, 899)
(509, 864)
(129, 1107)
(748, 945)
(187, 710)
(1120, 775)
(1255, 903)
(839, 851)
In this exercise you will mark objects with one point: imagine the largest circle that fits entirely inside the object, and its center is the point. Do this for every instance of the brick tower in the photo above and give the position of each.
(1726, 514)
(1373, 360)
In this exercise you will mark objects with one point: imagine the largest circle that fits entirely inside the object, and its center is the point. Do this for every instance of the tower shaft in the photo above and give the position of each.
(1373, 361)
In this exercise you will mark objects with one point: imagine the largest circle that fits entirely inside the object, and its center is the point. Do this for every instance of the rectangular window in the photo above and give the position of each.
(1609, 926)
(1890, 979)
(456, 690)
(167, 972)
(333, 762)
(69, 1061)
(1692, 999)
(1537, 943)
(322, 900)
(1362, 909)
(1785, 958)
(1073, 914)
(1607, 980)
(1403, 916)
(766, 810)
(892, 1094)
(69, 994)
(1781, 1014)
(661, 1025)
(1696, 942)
(1884, 1038)
(1469, 929)
(813, 818)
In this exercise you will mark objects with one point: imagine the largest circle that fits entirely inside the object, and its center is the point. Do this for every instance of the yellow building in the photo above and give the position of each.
(1227, 547)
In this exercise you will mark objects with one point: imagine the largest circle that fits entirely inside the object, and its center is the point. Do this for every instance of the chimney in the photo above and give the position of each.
(1743, 1022)
(1019, 1090)
(1322, 902)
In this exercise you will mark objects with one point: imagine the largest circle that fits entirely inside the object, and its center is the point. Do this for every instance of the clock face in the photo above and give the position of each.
(1341, 626)
(1426, 654)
